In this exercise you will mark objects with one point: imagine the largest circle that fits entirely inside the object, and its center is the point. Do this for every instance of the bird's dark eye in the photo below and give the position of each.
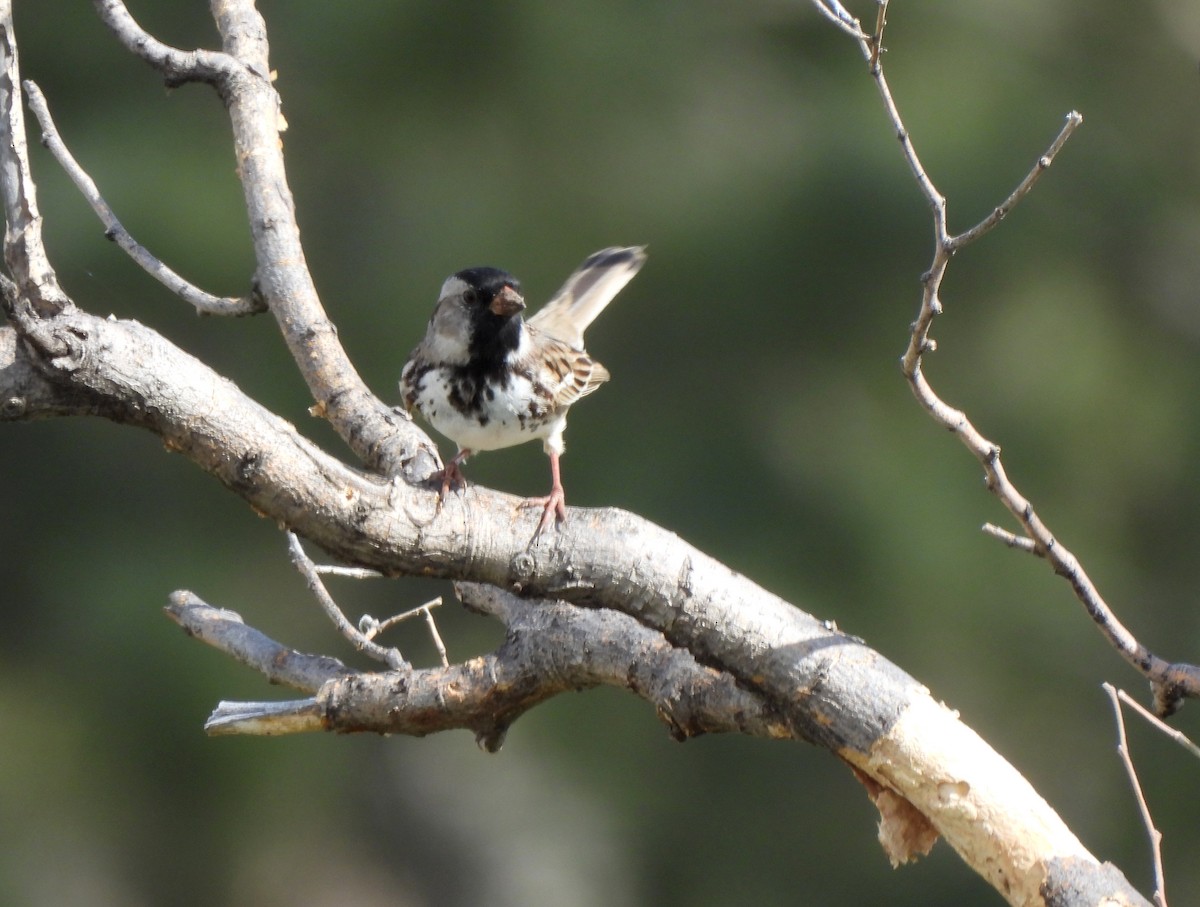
(470, 296)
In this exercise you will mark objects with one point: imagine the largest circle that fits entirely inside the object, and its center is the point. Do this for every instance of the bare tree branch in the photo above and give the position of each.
(828, 688)
(683, 613)
(384, 441)
(24, 253)
(177, 66)
(226, 631)
(550, 648)
(204, 303)
(1171, 682)
(1159, 725)
(361, 641)
(1073, 121)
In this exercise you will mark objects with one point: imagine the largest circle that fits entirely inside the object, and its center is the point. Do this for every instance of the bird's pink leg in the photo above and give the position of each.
(553, 504)
(452, 475)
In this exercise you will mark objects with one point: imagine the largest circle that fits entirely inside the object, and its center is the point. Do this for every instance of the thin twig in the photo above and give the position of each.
(1160, 725)
(877, 37)
(935, 199)
(437, 637)
(840, 17)
(1074, 121)
(389, 656)
(1160, 888)
(1010, 539)
(204, 303)
(371, 627)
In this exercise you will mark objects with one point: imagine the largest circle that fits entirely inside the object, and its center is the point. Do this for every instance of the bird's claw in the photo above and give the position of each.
(554, 509)
(451, 477)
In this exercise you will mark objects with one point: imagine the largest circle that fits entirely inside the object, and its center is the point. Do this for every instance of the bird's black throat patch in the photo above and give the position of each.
(493, 339)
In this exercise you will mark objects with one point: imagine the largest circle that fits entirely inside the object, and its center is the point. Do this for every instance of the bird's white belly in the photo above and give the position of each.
(504, 420)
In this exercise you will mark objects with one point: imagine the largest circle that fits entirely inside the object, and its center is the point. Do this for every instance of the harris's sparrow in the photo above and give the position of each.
(487, 379)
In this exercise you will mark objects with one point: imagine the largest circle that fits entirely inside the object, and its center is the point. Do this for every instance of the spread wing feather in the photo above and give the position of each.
(584, 296)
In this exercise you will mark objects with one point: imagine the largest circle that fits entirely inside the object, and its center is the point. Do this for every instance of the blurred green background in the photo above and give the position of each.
(756, 408)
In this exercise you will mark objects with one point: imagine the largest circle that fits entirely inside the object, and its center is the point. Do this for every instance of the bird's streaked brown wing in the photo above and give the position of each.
(568, 373)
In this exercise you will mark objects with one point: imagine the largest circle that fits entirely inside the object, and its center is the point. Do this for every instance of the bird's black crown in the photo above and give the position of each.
(487, 282)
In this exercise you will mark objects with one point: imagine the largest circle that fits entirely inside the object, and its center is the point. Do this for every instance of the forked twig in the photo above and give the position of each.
(1171, 682)
(368, 627)
(840, 17)
(389, 656)
(1158, 724)
(1012, 540)
(371, 627)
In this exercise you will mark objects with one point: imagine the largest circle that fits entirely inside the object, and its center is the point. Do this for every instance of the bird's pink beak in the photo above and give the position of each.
(507, 302)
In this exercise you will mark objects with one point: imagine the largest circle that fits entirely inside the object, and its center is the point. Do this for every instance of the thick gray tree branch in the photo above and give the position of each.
(827, 687)
(550, 648)
(226, 631)
(24, 253)
(817, 683)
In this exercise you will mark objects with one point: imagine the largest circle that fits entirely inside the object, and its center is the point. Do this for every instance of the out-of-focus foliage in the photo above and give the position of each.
(756, 409)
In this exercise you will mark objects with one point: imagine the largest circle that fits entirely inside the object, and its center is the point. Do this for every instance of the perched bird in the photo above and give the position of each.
(486, 379)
